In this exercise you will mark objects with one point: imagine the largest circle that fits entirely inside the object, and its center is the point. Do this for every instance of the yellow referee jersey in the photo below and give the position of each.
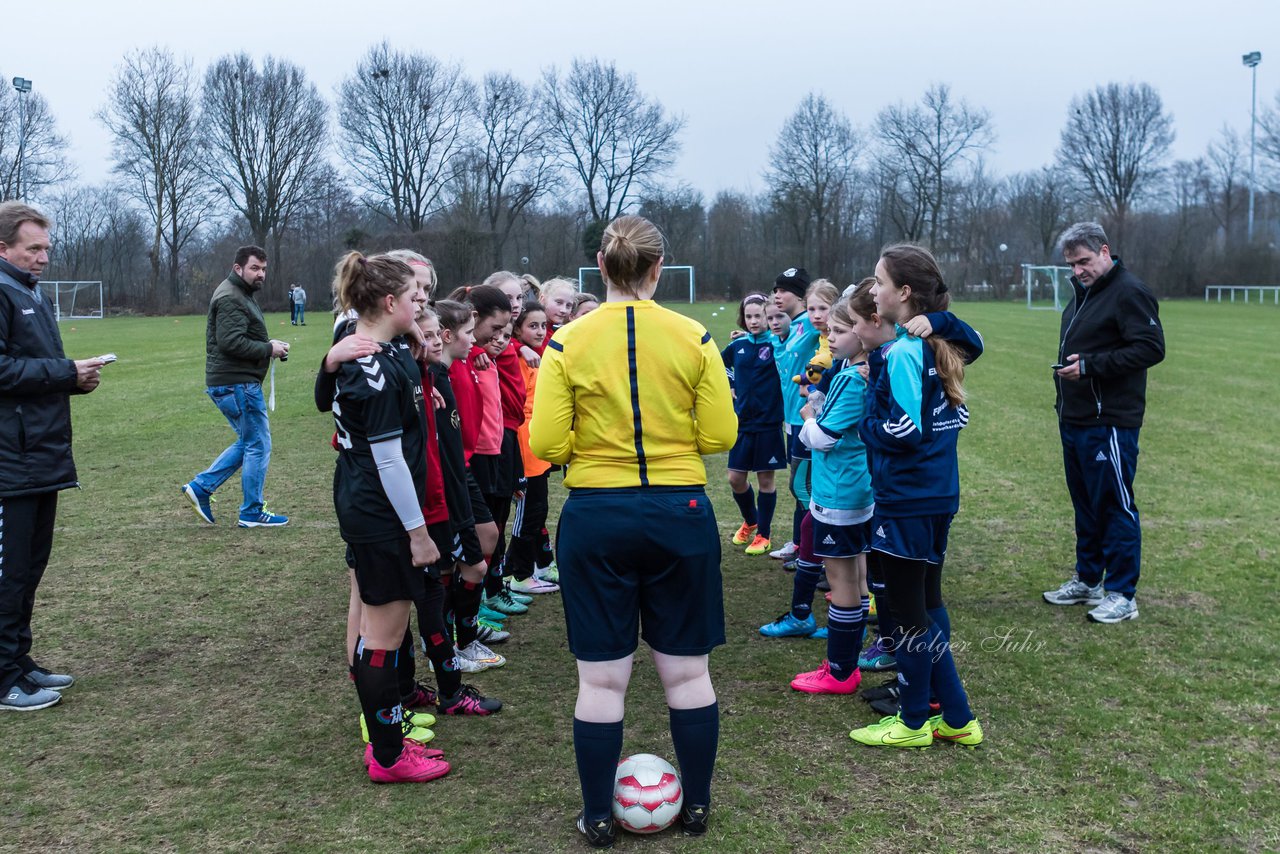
(632, 394)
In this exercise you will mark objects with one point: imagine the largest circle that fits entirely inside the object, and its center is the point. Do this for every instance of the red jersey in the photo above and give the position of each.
(436, 509)
(511, 385)
(466, 388)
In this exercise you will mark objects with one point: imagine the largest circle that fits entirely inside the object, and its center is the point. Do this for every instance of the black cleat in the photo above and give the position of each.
(693, 820)
(600, 833)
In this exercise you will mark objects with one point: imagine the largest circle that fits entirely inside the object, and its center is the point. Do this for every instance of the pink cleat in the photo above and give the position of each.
(413, 766)
(821, 681)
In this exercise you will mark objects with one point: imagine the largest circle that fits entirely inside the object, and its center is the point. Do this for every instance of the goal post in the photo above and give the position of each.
(676, 284)
(1047, 286)
(75, 300)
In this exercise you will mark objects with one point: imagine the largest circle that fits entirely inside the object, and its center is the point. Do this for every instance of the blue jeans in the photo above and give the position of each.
(1100, 465)
(246, 410)
(299, 312)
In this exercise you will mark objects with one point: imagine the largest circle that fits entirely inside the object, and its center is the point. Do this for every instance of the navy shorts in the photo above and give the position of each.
(796, 449)
(385, 572)
(641, 562)
(758, 451)
(912, 537)
(841, 540)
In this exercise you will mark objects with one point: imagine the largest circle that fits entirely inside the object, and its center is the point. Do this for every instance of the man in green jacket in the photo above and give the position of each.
(237, 355)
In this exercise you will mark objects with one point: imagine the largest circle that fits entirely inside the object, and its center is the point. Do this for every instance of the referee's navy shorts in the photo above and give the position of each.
(641, 562)
(762, 450)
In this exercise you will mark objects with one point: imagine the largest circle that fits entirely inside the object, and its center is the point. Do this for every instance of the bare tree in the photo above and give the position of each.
(405, 127)
(812, 165)
(679, 213)
(1116, 139)
(517, 163)
(1227, 179)
(99, 235)
(151, 113)
(267, 134)
(607, 133)
(43, 151)
(926, 144)
(1041, 204)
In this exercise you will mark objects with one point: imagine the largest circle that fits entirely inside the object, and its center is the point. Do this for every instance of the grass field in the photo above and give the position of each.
(213, 712)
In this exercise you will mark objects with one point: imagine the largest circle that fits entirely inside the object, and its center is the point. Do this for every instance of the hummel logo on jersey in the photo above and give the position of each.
(880, 531)
(1151, 321)
(1101, 458)
(28, 311)
(772, 460)
(373, 372)
(828, 540)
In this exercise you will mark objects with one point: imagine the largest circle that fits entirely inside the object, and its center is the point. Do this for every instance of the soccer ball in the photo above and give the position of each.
(646, 794)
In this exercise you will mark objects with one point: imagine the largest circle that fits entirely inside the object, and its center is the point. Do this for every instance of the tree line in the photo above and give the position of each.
(504, 173)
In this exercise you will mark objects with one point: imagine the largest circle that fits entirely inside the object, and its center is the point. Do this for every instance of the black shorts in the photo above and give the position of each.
(497, 474)
(479, 509)
(442, 535)
(466, 545)
(486, 469)
(640, 562)
(385, 572)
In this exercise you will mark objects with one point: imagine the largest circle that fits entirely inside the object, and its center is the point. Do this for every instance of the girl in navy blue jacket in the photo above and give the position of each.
(757, 400)
(915, 411)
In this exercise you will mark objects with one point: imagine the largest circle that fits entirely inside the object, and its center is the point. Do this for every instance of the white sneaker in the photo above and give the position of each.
(532, 586)
(1114, 609)
(1075, 592)
(787, 552)
(475, 657)
(550, 572)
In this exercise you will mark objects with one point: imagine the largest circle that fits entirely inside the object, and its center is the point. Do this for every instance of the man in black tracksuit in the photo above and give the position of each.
(36, 381)
(1110, 335)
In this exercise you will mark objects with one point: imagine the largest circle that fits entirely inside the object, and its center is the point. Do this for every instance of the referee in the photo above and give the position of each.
(631, 396)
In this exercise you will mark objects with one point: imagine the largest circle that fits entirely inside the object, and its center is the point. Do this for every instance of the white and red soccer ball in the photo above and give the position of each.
(646, 794)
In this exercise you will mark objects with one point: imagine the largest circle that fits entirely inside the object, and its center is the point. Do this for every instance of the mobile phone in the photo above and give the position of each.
(1058, 366)
(107, 358)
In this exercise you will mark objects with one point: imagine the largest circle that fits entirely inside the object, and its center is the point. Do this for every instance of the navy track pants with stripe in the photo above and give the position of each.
(1100, 465)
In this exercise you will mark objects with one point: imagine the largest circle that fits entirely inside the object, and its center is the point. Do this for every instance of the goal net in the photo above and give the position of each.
(1047, 287)
(75, 300)
(676, 284)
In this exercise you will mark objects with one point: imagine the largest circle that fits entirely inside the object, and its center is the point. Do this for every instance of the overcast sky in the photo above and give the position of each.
(735, 70)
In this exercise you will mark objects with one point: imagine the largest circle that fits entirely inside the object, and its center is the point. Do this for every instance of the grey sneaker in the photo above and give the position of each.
(53, 681)
(475, 657)
(1075, 592)
(1114, 609)
(27, 696)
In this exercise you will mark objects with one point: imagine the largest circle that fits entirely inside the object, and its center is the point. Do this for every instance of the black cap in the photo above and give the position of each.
(793, 279)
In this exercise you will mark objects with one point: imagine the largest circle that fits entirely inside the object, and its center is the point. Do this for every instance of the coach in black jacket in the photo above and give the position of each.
(36, 380)
(1110, 335)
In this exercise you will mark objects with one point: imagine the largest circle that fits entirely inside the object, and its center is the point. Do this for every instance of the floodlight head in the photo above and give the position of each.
(22, 84)
(1252, 59)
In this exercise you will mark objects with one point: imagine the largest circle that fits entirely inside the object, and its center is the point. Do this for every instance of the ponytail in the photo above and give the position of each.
(361, 283)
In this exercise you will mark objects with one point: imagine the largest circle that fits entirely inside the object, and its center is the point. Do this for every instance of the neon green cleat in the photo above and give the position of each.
(969, 735)
(892, 732)
(415, 727)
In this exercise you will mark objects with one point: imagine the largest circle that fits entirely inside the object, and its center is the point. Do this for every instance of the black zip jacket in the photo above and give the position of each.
(36, 381)
(1114, 325)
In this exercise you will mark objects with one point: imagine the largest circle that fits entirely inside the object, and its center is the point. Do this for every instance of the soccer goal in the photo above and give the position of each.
(1047, 287)
(75, 300)
(676, 284)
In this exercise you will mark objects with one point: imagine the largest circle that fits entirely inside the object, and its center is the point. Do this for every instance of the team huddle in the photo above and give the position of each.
(871, 441)
(439, 423)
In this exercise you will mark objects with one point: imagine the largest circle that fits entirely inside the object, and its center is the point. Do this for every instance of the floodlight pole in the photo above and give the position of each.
(1251, 61)
(22, 86)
